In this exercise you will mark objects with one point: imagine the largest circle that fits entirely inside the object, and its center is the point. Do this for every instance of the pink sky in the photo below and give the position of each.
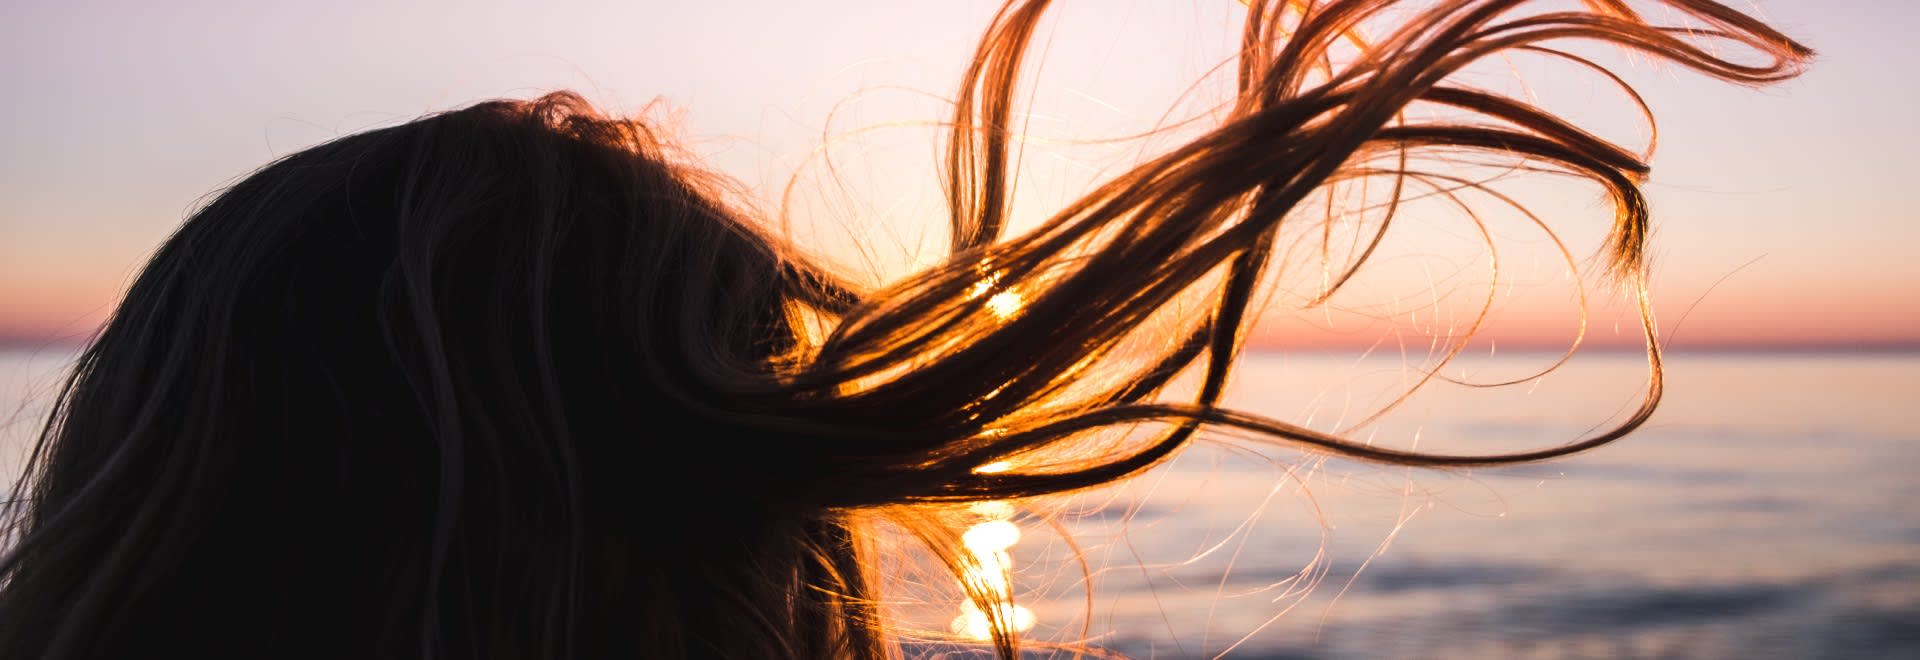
(1785, 214)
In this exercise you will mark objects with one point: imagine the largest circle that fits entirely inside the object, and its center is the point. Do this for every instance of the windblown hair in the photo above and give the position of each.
(513, 382)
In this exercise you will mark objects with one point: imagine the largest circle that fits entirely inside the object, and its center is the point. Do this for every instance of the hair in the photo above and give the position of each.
(515, 381)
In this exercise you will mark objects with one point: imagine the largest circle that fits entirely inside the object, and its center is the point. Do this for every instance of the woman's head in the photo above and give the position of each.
(443, 370)
(514, 381)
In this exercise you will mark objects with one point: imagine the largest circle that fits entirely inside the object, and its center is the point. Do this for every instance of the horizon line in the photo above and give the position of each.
(13, 343)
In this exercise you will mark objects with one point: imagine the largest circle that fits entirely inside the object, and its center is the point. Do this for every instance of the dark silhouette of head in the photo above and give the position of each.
(442, 376)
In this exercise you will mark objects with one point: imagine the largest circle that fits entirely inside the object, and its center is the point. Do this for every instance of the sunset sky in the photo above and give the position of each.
(1785, 215)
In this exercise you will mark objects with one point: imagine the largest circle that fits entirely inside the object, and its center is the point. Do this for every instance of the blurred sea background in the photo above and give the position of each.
(1767, 510)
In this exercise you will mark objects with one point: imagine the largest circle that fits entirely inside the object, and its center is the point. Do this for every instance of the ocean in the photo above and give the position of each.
(1766, 510)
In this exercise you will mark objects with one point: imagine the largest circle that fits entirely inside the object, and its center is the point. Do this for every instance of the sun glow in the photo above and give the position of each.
(973, 622)
(1006, 304)
(990, 571)
(993, 509)
(991, 536)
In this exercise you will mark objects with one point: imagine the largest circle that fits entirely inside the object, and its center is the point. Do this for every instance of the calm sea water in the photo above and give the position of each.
(1768, 510)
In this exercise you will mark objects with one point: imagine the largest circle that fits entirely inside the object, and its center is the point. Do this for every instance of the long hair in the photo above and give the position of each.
(514, 381)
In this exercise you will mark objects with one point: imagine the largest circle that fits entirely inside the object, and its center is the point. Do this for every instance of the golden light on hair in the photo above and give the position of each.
(1005, 304)
(981, 287)
(994, 467)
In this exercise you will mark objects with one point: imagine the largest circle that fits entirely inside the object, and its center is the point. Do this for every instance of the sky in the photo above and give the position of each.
(1782, 214)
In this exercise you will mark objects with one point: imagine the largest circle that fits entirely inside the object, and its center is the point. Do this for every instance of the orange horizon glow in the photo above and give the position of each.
(1775, 313)
(60, 319)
